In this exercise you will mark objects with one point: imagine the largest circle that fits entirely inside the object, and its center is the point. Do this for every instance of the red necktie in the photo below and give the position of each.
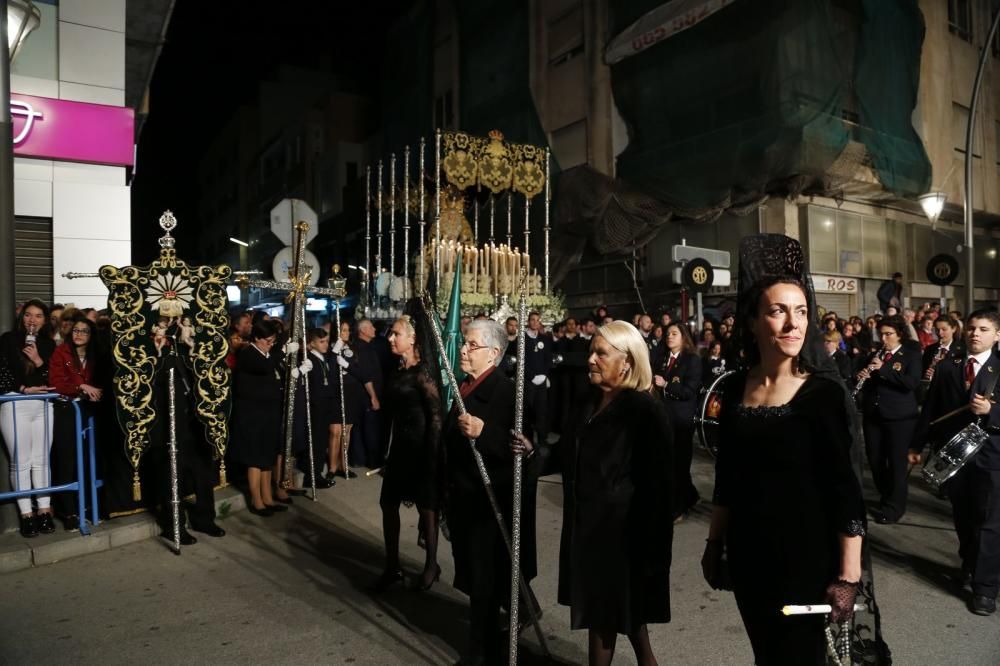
(670, 364)
(888, 357)
(970, 371)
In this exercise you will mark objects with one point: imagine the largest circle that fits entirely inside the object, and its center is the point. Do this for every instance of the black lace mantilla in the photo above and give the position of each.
(855, 528)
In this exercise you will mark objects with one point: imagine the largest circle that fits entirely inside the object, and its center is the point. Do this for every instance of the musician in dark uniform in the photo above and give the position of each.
(677, 376)
(537, 365)
(572, 372)
(890, 411)
(831, 342)
(482, 563)
(975, 490)
(509, 362)
(947, 346)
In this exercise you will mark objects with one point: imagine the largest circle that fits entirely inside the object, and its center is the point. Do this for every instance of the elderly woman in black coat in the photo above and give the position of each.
(482, 563)
(614, 556)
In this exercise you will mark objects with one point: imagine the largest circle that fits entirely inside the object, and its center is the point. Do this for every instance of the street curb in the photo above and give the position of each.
(18, 554)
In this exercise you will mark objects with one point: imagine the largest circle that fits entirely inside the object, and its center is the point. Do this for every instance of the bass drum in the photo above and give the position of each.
(706, 421)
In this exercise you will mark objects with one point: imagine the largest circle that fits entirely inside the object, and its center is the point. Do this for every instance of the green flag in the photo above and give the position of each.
(453, 333)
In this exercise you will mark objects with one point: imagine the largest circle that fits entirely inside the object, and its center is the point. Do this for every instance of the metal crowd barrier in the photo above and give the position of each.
(80, 486)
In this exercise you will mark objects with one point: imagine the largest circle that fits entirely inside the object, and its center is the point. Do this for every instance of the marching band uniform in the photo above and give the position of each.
(890, 416)
(572, 374)
(956, 350)
(323, 400)
(975, 490)
(537, 365)
(682, 374)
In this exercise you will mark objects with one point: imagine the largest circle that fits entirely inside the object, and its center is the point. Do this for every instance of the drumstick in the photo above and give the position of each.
(815, 609)
(953, 413)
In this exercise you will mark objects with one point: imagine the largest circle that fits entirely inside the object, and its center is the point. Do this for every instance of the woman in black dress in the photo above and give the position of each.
(257, 389)
(788, 508)
(614, 555)
(412, 469)
(677, 377)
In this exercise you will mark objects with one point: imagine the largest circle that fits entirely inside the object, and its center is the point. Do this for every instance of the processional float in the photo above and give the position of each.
(482, 253)
(162, 312)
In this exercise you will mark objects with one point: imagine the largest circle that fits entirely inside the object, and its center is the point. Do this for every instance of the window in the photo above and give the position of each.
(960, 19)
(847, 243)
(959, 125)
(565, 36)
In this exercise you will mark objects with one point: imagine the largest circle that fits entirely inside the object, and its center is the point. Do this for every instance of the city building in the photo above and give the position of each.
(79, 96)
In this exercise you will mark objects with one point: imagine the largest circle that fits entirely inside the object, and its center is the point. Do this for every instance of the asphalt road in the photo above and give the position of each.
(294, 588)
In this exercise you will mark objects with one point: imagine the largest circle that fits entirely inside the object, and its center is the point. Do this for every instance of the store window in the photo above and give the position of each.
(565, 36)
(846, 243)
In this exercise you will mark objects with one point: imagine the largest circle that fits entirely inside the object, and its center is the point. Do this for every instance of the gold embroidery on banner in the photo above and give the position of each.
(495, 171)
(493, 163)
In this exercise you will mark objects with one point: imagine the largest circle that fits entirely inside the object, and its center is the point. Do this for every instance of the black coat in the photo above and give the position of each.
(680, 394)
(22, 371)
(482, 564)
(844, 366)
(889, 393)
(255, 436)
(957, 350)
(615, 550)
(538, 355)
(947, 392)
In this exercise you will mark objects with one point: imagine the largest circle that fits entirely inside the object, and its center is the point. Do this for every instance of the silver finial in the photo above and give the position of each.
(167, 223)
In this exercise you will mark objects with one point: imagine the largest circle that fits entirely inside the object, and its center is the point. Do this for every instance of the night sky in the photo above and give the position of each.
(215, 54)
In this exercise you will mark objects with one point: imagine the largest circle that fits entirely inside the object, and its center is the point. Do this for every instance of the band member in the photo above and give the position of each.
(949, 345)
(975, 490)
(889, 405)
(831, 342)
(788, 507)
(358, 383)
(413, 471)
(614, 554)
(482, 563)
(677, 376)
(572, 372)
(324, 402)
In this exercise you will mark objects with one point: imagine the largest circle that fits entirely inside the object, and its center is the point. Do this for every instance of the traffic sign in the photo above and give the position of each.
(720, 277)
(287, 214)
(284, 262)
(716, 258)
(942, 269)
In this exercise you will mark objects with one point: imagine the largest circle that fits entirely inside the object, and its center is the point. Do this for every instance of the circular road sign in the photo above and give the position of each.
(697, 275)
(942, 269)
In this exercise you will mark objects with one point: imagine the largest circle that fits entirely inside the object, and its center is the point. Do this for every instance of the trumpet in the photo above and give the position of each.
(870, 369)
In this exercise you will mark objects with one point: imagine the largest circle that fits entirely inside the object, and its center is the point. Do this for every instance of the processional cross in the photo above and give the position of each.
(297, 288)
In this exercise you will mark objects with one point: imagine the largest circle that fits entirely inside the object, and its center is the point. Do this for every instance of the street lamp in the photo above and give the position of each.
(18, 18)
(933, 204)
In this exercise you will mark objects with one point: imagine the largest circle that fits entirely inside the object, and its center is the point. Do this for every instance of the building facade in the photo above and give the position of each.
(78, 96)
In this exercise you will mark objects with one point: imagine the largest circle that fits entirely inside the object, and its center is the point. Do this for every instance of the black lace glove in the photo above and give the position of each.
(714, 566)
(840, 594)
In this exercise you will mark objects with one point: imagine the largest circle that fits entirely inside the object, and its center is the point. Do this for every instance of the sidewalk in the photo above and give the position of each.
(18, 553)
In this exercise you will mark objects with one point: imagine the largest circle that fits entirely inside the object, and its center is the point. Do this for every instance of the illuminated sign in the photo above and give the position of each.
(58, 129)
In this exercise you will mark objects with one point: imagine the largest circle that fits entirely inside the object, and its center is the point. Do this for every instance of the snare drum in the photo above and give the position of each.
(706, 421)
(946, 461)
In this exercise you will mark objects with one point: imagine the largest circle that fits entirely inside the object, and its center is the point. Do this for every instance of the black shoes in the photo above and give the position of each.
(276, 508)
(426, 584)
(266, 512)
(983, 605)
(286, 500)
(387, 580)
(28, 526)
(882, 519)
(211, 530)
(322, 482)
(349, 475)
(45, 523)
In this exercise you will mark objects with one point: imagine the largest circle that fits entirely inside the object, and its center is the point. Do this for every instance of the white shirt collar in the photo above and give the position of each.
(981, 358)
(531, 334)
(317, 354)
(262, 353)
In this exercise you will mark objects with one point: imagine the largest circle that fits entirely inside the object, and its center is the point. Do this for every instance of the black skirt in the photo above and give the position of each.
(256, 433)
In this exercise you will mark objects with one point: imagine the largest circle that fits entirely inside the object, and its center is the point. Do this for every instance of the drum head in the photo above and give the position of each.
(707, 419)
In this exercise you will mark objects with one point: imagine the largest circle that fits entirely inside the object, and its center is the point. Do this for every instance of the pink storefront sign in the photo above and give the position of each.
(57, 129)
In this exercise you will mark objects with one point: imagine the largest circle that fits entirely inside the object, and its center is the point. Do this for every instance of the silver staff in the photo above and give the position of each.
(475, 221)
(510, 219)
(527, 245)
(493, 215)
(392, 214)
(432, 315)
(423, 220)
(343, 405)
(74, 276)
(515, 525)
(406, 223)
(305, 387)
(378, 216)
(368, 238)
(547, 204)
(175, 500)
(437, 209)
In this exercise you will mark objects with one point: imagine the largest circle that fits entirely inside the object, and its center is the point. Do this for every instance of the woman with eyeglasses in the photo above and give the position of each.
(413, 467)
(256, 422)
(24, 357)
(72, 371)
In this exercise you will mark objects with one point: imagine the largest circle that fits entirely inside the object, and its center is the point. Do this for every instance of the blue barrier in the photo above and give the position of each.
(80, 485)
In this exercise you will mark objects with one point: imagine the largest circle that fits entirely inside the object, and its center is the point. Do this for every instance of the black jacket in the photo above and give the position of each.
(844, 366)
(22, 371)
(887, 291)
(889, 394)
(538, 356)
(957, 350)
(947, 392)
(683, 383)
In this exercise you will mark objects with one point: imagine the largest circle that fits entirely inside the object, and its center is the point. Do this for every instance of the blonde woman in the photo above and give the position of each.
(614, 558)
